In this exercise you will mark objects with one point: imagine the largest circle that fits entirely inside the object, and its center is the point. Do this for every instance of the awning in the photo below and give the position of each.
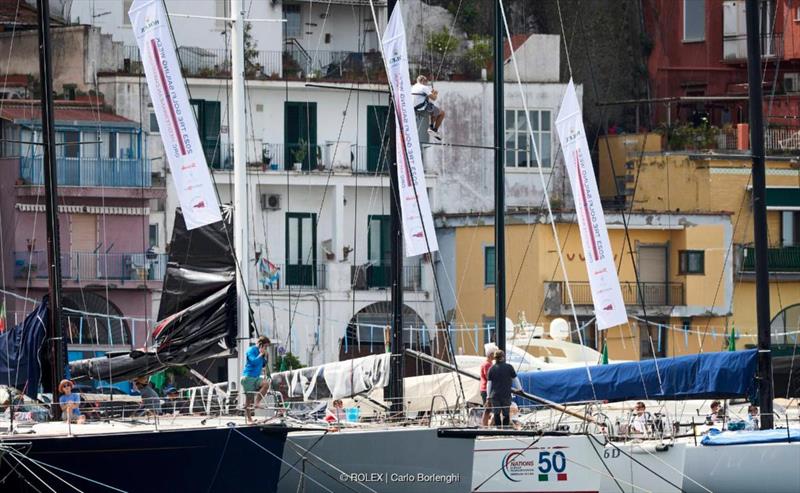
(783, 198)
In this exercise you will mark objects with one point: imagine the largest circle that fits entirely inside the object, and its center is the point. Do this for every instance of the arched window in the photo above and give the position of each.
(365, 333)
(106, 330)
(785, 325)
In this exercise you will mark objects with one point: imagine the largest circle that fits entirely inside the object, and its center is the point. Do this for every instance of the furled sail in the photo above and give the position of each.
(334, 380)
(197, 314)
(19, 351)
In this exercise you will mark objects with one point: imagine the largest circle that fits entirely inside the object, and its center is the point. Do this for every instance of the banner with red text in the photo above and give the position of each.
(176, 121)
(418, 231)
(606, 293)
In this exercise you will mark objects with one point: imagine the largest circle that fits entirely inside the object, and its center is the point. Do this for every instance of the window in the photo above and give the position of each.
(112, 145)
(519, 149)
(153, 235)
(379, 252)
(694, 20)
(126, 7)
(293, 26)
(72, 146)
(488, 266)
(692, 261)
(652, 340)
(301, 249)
(790, 228)
(489, 332)
(153, 123)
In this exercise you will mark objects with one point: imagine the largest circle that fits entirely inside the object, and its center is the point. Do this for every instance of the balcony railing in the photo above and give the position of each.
(296, 62)
(782, 259)
(735, 46)
(89, 172)
(308, 276)
(88, 266)
(369, 276)
(653, 293)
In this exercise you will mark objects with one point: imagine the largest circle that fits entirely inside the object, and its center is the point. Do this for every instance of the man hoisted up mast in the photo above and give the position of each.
(424, 96)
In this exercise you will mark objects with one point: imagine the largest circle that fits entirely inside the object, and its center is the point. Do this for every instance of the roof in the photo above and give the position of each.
(26, 15)
(517, 40)
(66, 112)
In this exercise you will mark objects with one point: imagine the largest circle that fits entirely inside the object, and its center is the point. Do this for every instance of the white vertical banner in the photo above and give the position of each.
(176, 121)
(606, 294)
(414, 204)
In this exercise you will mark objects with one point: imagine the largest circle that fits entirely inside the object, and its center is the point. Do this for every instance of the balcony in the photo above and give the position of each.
(89, 172)
(653, 293)
(88, 266)
(372, 276)
(283, 276)
(296, 62)
(734, 47)
(782, 259)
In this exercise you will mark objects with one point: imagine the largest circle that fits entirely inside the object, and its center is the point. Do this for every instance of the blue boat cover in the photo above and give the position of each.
(716, 437)
(697, 376)
(19, 352)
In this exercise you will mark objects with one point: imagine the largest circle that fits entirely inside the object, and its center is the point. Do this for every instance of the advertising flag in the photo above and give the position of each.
(606, 293)
(176, 121)
(418, 231)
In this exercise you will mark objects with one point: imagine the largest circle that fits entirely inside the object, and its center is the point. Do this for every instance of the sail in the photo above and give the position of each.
(334, 380)
(698, 376)
(197, 314)
(19, 352)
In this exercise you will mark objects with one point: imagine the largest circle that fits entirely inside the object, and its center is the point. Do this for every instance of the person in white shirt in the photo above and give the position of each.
(639, 419)
(424, 96)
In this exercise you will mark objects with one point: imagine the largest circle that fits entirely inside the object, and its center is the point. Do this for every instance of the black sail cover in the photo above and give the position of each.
(197, 314)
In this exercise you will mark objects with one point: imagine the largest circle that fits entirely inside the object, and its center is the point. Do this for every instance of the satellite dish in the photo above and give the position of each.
(559, 329)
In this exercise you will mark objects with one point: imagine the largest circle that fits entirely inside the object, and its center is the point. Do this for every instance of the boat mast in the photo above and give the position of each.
(54, 337)
(396, 372)
(240, 198)
(499, 183)
(759, 213)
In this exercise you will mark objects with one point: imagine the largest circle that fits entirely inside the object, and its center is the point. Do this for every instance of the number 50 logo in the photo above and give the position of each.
(556, 462)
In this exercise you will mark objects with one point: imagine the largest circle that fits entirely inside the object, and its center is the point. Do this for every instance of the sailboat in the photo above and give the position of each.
(198, 454)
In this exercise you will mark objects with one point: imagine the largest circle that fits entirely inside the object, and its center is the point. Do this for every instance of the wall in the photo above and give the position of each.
(615, 151)
(537, 60)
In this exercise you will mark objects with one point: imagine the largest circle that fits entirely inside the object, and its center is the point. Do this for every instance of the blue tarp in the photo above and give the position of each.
(698, 376)
(716, 437)
(19, 352)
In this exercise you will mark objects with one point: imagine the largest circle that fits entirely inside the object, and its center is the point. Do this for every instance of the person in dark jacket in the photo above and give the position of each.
(500, 380)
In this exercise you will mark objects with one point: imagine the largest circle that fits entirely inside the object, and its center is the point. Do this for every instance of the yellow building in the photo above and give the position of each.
(691, 234)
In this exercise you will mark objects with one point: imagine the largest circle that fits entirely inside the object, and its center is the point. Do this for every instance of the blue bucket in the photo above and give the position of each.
(351, 414)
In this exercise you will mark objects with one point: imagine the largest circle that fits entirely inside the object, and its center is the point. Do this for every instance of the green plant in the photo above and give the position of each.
(251, 67)
(300, 150)
(287, 362)
(479, 54)
(441, 42)
(683, 137)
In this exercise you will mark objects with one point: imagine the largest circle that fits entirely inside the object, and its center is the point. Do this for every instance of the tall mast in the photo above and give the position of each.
(499, 184)
(759, 212)
(54, 337)
(396, 381)
(240, 198)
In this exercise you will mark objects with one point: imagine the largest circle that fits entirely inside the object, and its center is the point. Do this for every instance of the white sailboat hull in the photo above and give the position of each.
(764, 467)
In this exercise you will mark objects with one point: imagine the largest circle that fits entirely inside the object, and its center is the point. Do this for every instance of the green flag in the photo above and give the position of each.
(283, 366)
(732, 341)
(158, 379)
(604, 359)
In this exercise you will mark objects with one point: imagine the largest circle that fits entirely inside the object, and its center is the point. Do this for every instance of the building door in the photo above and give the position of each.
(376, 128)
(380, 252)
(209, 119)
(653, 275)
(300, 134)
(83, 261)
(301, 249)
(653, 338)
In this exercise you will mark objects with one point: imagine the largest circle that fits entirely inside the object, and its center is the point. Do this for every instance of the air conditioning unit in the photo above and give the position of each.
(270, 202)
(791, 82)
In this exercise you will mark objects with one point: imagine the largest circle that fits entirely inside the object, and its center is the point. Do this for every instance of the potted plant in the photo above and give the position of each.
(299, 154)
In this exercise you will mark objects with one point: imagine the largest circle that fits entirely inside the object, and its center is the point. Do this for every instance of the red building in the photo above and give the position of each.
(699, 53)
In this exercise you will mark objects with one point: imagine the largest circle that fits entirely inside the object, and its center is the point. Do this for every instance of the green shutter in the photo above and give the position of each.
(488, 266)
(783, 197)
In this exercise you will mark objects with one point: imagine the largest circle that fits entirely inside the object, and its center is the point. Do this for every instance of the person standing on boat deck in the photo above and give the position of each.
(151, 402)
(424, 96)
(485, 367)
(252, 381)
(70, 403)
(500, 380)
(639, 419)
